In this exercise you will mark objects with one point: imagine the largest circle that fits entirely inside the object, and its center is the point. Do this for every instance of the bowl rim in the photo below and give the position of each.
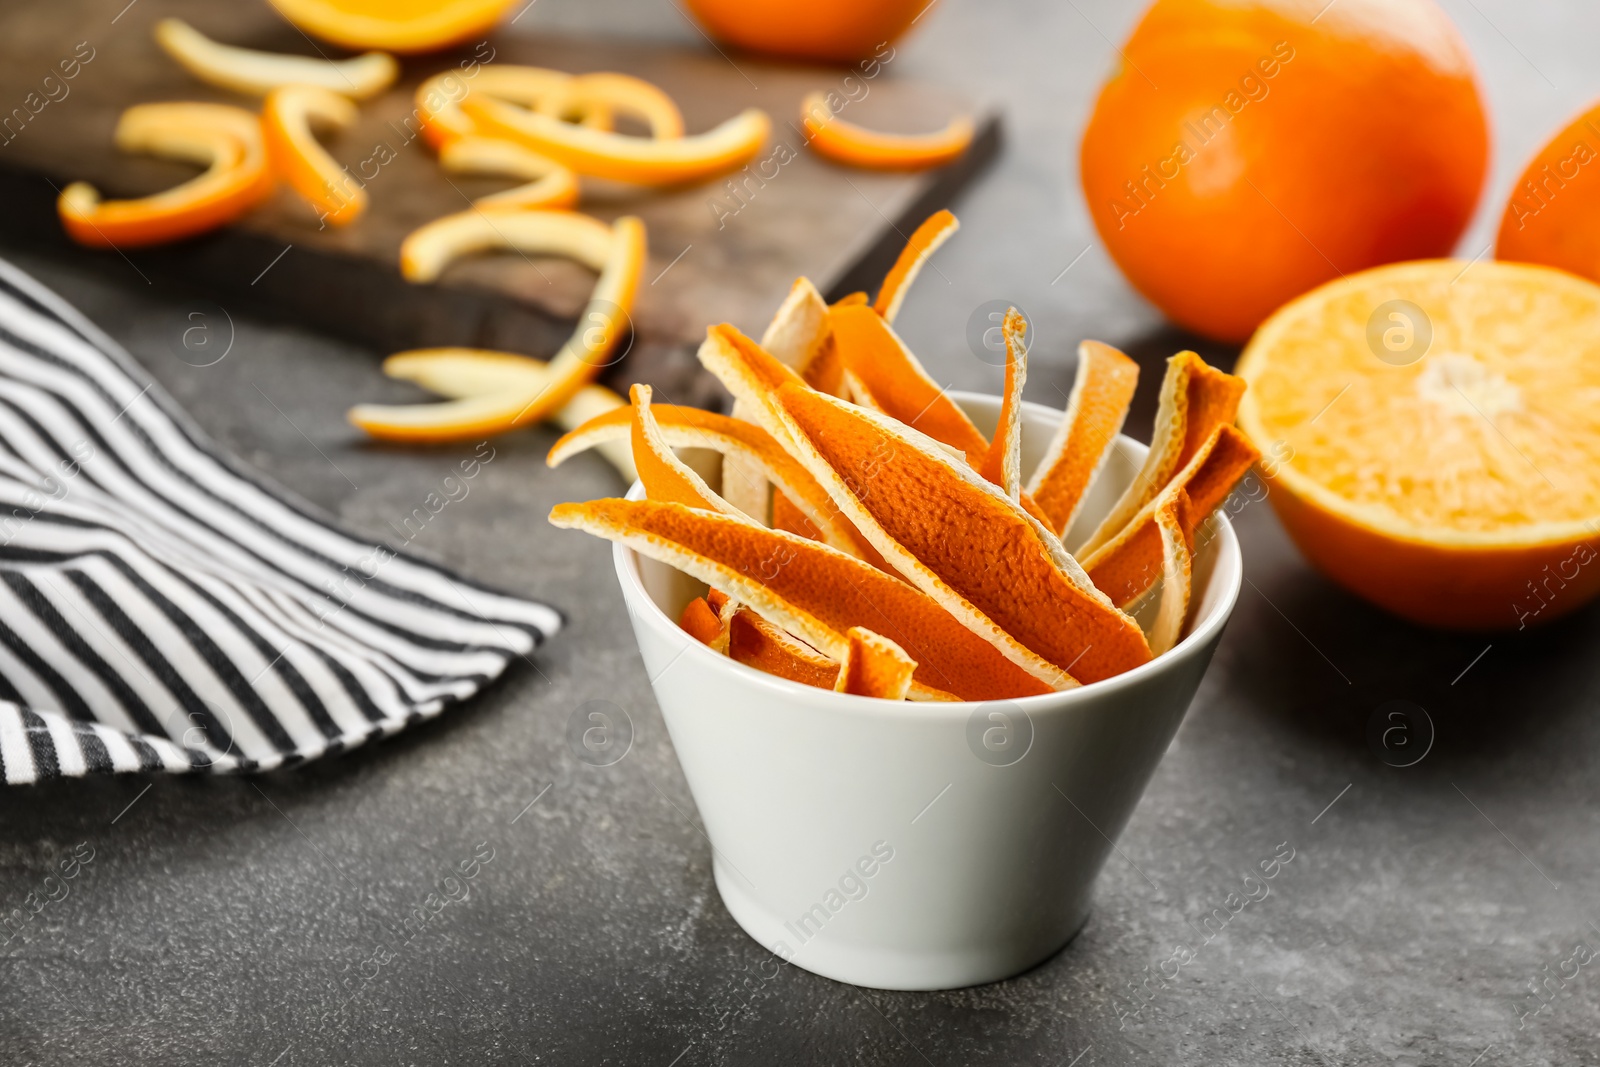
(1231, 559)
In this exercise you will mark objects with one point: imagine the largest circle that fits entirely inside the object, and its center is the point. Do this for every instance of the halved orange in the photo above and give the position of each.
(393, 25)
(1435, 440)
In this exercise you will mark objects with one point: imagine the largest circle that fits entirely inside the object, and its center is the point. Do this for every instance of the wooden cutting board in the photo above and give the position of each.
(724, 251)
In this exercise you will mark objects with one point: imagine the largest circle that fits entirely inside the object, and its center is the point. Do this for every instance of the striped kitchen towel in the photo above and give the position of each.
(163, 608)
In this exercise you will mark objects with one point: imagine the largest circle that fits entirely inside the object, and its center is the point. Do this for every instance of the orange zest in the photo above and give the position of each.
(617, 251)
(1101, 392)
(682, 427)
(1002, 464)
(438, 99)
(1195, 400)
(844, 142)
(394, 25)
(245, 70)
(619, 157)
(620, 94)
(548, 183)
(297, 157)
(935, 230)
(810, 590)
(885, 478)
(874, 666)
(225, 140)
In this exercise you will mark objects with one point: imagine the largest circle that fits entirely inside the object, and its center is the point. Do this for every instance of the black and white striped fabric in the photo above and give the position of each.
(162, 608)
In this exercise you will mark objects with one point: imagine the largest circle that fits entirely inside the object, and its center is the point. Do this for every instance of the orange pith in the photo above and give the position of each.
(935, 230)
(810, 589)
(856, 146)
(1457, 486)
(874, 666)
(1096, 407)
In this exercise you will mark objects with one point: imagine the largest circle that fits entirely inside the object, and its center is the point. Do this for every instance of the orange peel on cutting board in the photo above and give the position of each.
(845, 142)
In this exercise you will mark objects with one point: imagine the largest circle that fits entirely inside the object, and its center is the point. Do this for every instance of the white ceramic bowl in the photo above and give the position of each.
(918, 845)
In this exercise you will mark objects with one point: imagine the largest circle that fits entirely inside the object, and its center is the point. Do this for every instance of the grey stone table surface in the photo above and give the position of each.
(229, 920)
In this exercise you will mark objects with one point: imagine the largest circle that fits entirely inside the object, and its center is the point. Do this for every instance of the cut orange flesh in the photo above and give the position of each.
(871, 350)
(810, 590)
(1002, 464)
(1101, 392)
(1440, 456)
(245, 70)
(549, 184)
(950, 533)
(299, 159)
(394, 25)
(683, 427)
(225, 140)
(1126, 566)
(664, 476)
(935, 230)
(618, 157)
(605, 321)
(469, 372)
(757, 643)
(845, 142)
(1195, 400)
(874, 666)
(620, 94)
(702, 624)
(438, 99)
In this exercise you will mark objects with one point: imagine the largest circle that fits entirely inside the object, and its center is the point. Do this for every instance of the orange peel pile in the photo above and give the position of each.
(900, 557)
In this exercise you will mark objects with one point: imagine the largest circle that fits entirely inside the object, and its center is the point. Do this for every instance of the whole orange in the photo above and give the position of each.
(1246, 151)
(836, 31)
(1553, 216)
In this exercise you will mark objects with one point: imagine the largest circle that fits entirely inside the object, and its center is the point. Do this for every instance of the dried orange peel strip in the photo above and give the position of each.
(874, 666)
(1125, 567)
(469, 372)
(700, 622)
(812, 591)
(1002, 465)
(664, 476)
(618, 157)
(225, 140)
(245, 70)
(845, 142)
(438, 98)
(548, 183)
(935, 230)
(620, 94)
(1101, 393)
(1175, 527)
(757, 643)
(1195, 400)
(618, 251)
(297, 157)
(905, 494)
(683, 427)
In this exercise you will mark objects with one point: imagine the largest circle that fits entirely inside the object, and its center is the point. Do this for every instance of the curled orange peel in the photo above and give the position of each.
(254, 73)
(935, 230)
(664, 476)
(620, 94)
(683, 427)
(1002, 464)
(470, 372)
(617, 251)
(619, 157)
(844, 142)
(810, 590)
(1126, 566)
(874, 666)
(297, 157)
(757, 643)
(703, 624)
(438, 99)
(1195, 400)
(1102, 390)
(547, 183)
(904, 494)
(225, 140)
